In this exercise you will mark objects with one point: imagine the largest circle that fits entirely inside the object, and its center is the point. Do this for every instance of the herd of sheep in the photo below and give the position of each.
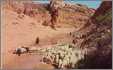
(63, 56)
(60, 56)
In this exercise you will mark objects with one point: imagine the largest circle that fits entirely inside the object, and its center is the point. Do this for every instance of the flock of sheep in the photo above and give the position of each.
(63, 56)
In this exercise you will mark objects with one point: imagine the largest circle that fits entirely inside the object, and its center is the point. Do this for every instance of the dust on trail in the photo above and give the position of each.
(17, 32)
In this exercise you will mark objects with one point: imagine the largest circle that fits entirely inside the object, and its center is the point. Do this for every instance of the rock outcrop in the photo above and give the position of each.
(76, 14)
(97, 34)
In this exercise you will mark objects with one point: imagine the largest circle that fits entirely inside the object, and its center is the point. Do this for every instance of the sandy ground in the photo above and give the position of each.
(17, 32)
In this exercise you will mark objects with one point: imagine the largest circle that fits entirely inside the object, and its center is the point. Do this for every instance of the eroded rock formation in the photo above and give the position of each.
(97, 35)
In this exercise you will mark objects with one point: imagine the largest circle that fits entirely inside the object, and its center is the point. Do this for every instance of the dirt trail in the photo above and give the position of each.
(17, 32)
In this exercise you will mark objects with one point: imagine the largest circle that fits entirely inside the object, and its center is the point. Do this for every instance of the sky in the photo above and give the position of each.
(90, 3)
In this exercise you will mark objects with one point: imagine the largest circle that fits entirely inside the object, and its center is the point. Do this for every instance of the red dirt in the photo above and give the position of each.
(17, 32)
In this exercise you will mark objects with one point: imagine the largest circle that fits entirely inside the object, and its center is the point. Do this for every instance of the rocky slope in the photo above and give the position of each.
(97, 37)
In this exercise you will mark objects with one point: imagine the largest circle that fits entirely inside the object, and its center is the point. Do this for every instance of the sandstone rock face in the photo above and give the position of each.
(76, 14)
(105, 6)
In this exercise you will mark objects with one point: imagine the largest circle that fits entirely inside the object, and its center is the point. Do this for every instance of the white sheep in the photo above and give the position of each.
(57, 58)
(72, 62)
(60, 63)
(66, 61)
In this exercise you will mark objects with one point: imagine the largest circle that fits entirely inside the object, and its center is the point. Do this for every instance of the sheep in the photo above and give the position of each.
(66, 61)
(63, 63)
(47, 58)
(74, 58)
(56, 58)
(52, 58)
(73, 61)
(60, 63)
(61, 55)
